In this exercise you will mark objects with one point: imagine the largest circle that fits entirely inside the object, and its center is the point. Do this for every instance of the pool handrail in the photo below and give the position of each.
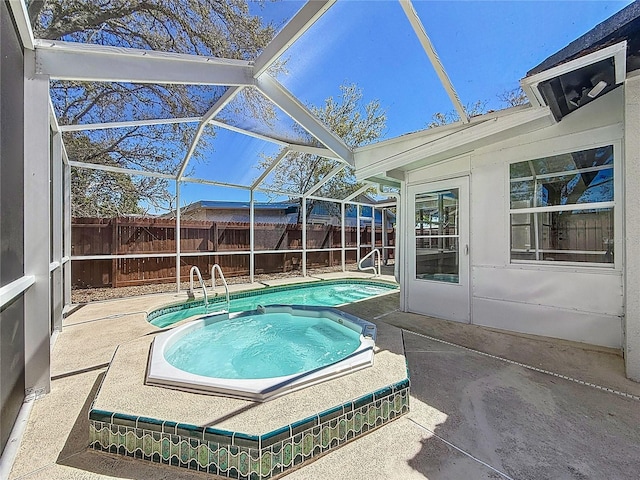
(217, 268)
(204, 289)
(374, 252)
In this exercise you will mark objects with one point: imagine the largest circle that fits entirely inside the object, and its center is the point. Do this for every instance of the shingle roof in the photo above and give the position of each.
(624, 25)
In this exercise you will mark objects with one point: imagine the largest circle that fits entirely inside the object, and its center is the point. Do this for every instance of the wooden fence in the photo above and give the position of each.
(157, 236)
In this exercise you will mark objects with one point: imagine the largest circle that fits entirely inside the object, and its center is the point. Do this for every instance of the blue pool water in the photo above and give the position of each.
(262, 346)
(329, 294)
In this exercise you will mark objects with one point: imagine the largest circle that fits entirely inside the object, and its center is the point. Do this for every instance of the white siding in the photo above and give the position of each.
(583, 304)
(632, 226)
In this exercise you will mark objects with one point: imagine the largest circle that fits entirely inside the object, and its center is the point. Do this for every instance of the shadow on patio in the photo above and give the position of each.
(472, 415)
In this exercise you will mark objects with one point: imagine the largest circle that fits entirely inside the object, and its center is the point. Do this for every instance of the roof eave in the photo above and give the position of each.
(459, 141)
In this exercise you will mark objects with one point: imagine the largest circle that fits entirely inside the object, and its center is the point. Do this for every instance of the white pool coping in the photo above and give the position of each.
(162, 373)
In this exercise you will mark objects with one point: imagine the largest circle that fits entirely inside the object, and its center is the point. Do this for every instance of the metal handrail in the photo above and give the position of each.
(376, 272)
(215, 268)
(15, 288)
(204, 289)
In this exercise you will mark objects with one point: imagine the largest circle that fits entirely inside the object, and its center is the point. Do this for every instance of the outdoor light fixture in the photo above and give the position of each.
(576, 95)
(572, 85)
(597, 89)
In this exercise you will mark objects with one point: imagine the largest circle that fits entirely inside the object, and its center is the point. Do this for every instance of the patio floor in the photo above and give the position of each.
(473, 414)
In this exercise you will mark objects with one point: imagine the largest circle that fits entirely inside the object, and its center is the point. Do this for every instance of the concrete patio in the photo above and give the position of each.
(484, 404)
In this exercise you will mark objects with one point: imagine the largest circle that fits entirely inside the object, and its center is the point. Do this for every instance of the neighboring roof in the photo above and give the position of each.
(234, 205)
(292, 207)
(230, 205)
(624, 25)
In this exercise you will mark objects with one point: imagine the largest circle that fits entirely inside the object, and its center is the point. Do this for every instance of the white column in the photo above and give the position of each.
(343, 238)
(37, 327)
(403, 224)
(373, 233)
(57, 224)
(304, 236)
(383, 231)
(252, 237)
(358, 233)
(632, 226)
(178, 260)
(67, 233)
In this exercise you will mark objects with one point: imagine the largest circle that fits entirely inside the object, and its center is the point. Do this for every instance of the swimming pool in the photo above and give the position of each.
(327, 293)
(261, 354)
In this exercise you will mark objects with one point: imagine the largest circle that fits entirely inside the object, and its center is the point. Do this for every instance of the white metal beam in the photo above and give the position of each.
(15, 288)
(21, 17)
(293, 30)
(66, 250)
(279, 95)
(252, 239)
(178, 239)
(294, 147)
(421, 33)
(212, 112)
(260, 136)
(213, 183)
(283, 153)
(53, 120)
(324, 199)
(125, 124)
(127, 171)
(279, 192)
(362, 189)
(57, 224)
(319, 151)
(326, 178)
(65, 157)
(83, 62)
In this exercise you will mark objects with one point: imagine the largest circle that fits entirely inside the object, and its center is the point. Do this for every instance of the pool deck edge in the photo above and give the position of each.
(240, 438)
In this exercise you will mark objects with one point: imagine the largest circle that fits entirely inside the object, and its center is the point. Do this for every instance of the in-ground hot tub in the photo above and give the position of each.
(261, 354)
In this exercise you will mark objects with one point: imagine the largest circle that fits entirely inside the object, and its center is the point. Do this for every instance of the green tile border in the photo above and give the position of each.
(242, 456)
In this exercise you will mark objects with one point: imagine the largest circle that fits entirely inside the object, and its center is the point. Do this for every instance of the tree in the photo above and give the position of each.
(509, 98)
(471, 109)
(104, 194)
(514, 97)
(357, 124)
(219, 28)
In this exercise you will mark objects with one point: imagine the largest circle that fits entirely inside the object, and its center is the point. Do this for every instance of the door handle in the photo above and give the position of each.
(466, 249)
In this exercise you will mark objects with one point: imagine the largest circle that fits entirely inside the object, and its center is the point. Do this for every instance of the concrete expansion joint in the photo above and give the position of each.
(109, 317)
(386, 314)
(531, 367)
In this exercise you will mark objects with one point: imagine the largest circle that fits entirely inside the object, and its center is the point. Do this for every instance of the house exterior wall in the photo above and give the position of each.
(579, 303)
(632, 227)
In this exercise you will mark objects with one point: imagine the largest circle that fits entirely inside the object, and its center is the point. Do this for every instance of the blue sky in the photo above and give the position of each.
(485, 46)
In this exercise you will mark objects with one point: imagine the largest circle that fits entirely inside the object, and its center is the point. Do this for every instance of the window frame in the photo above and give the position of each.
(616, 205)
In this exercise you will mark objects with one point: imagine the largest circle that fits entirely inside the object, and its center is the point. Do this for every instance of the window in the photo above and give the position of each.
(562, 208)
(437, 236)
